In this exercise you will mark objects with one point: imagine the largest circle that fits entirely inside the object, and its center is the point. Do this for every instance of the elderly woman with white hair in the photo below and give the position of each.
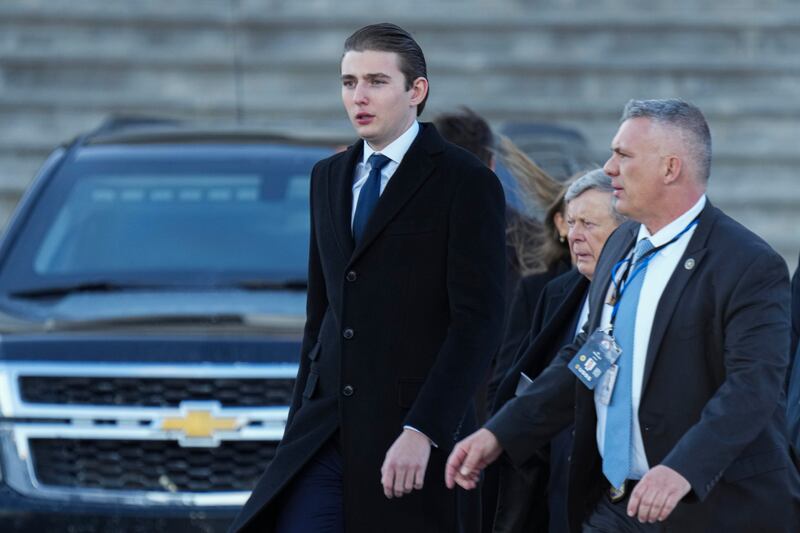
(525, 496)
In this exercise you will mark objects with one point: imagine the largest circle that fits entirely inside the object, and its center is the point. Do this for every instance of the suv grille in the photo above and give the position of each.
(150, 465)
(156, 392)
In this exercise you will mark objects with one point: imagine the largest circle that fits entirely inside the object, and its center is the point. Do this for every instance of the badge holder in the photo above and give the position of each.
(597, 358)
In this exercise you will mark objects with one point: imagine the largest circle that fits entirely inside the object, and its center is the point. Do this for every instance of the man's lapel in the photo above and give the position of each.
(340, 197)
(687, 266)
(415, 168)
(618, 249)
(570, 298)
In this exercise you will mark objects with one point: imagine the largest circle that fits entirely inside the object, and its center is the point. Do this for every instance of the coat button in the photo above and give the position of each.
(347, 390)
(351, 276)
(348, 333)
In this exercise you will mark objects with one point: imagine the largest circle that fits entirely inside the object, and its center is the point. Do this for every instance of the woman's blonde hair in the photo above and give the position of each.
(537, 246)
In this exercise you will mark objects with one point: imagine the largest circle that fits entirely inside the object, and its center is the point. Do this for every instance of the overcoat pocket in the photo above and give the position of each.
(311, 385)
(314, 353)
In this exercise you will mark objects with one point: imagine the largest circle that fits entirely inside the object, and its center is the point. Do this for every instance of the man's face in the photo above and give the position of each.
(636, 168)
(590, 223)
(375, 96)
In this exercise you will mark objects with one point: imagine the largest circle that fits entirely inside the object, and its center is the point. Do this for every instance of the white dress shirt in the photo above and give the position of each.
(658, 272)
(583, 317)
(395, 152)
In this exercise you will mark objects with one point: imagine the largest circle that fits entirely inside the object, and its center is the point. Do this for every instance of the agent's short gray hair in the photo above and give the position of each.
(594, 180)
(686, 119)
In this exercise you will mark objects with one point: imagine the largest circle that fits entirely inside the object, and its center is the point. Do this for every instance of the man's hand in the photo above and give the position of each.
(657, 494)
(404, 468)
(469, 457)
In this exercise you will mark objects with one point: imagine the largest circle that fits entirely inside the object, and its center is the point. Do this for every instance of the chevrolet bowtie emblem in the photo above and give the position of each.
(199, 424)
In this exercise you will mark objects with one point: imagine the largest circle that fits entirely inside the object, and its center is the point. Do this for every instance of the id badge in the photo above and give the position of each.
(594, 358)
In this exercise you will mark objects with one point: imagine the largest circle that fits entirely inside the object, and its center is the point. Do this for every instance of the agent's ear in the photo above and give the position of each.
(672, 168)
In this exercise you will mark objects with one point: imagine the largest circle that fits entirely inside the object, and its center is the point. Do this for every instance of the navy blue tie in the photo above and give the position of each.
(368, 197)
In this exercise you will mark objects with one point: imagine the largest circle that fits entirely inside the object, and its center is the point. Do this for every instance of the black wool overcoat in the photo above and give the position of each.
(400, 331)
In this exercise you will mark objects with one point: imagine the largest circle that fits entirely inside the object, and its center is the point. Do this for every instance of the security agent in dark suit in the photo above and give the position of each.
(405, 307)
(704, 333)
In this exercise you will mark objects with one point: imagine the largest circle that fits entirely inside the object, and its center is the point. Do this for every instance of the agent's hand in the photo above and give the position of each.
(404, 467)
(657, 494)
(469, 457)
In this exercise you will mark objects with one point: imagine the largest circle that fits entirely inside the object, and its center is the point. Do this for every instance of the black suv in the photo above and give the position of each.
(152, 299)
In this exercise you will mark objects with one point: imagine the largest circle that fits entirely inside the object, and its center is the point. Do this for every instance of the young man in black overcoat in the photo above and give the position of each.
(405, 308)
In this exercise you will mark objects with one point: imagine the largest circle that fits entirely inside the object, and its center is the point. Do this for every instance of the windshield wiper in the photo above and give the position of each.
(272, 285)
(63, 290)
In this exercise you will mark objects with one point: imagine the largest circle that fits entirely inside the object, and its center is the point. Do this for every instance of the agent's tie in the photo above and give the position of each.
(369, 195)
(619, 421)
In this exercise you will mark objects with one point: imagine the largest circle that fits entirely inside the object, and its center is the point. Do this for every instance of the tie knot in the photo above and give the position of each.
(642, 247)
(377, 162)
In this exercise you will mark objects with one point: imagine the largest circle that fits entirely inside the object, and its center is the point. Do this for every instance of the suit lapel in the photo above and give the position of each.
(414, 169)
(668, 303)
(569, 309)
(340, 197)
(599, 287)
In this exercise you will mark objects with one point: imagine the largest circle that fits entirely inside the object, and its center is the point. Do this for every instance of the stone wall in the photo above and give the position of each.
(66, 65)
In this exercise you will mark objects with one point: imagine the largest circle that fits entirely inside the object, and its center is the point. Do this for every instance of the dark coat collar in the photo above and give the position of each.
(417, 165)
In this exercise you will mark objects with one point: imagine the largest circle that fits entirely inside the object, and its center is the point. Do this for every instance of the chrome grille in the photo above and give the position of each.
(155, 391)
(191, 434)
(122, 465)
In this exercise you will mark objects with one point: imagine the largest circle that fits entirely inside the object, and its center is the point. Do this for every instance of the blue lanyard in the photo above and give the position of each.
(619, 288)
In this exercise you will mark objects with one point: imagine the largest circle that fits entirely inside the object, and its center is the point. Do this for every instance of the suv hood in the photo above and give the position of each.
(265, 307)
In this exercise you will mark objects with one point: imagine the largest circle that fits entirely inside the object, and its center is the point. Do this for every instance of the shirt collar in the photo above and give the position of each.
(668, 232)
(397, 149)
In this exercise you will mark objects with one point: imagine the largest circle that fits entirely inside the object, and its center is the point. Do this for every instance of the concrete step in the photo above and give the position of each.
(318, 85)
(777, 228)
(450, 61)
(510, 30)
(442, 12)
(601, 114)
(66, 64)
(482, 40)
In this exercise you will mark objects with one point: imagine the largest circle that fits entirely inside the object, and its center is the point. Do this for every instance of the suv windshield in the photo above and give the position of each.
(172, 215)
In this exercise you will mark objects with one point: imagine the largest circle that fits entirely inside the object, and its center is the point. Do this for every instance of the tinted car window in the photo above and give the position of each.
(204, 216)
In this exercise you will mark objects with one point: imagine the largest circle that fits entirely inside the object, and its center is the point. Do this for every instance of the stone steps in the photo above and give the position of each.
(65, 65)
